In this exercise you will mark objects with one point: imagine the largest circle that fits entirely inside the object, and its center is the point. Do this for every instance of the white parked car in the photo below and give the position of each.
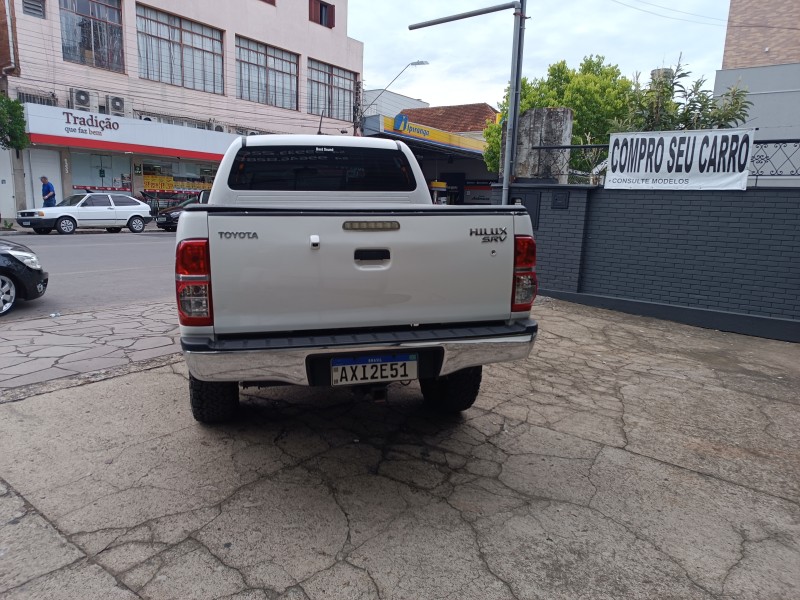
(111, 212)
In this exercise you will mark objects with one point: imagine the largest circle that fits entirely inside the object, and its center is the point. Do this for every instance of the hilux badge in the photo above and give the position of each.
(489, 235)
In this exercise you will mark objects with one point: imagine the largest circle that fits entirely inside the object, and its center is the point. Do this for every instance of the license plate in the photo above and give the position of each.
(161, 219)
(372, 369)
(26, 222)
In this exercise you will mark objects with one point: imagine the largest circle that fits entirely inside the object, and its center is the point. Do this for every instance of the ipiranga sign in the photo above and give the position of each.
(710, 159)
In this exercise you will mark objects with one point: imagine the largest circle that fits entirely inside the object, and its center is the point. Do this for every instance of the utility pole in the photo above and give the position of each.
(514, 84)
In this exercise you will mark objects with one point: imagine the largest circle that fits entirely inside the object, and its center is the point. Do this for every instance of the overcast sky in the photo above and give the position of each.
(470, 60)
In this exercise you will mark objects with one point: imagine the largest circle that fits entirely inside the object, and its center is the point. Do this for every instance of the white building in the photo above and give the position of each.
(384, 102)
(125, 95)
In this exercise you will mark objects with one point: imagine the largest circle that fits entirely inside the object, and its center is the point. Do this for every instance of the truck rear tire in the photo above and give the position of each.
(452, 393)
(213, 401)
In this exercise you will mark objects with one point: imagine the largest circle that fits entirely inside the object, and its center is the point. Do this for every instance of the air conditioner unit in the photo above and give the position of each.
(253, 133)
(145, 118)
(219, 128)
(83, 100)
(115, 106)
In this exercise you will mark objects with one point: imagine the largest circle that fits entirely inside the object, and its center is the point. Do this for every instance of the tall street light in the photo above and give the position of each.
(514, 84)
(416, 63)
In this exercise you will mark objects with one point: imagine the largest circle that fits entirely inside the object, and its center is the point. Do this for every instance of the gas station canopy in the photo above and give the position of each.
(421, 138)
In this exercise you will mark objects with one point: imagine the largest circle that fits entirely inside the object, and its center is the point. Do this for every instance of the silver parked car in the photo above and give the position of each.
(109, 211)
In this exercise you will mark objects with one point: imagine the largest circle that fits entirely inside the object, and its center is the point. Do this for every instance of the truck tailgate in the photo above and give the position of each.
(288, 270)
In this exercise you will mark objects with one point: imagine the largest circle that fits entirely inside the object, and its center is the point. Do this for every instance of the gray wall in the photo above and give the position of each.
(728, 260)
(775, 94)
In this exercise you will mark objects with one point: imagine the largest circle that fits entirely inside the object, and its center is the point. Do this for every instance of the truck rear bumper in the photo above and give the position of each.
(285, 359)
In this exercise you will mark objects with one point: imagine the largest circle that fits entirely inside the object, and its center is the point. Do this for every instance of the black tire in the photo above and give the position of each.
(113, 229)
(8, 294)
(43, 230)
(452, 393)
(65, 226)
(136, 224)
(213, 401)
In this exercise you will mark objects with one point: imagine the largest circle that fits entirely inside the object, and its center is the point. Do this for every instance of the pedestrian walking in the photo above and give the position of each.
(48, 192)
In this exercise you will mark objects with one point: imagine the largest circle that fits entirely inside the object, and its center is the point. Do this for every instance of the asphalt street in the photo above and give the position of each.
(626, 458)
(97, 270)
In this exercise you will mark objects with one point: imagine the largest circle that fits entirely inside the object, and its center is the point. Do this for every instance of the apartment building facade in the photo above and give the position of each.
(129, 95)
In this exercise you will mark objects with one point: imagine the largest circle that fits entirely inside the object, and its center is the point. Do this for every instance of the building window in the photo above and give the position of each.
(34, 8)
(91, 33)
(179, 51)
(331, 91)
(322, 13)
(266, 74)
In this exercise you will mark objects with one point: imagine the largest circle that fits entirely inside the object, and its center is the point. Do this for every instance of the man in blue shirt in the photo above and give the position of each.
(48, 193)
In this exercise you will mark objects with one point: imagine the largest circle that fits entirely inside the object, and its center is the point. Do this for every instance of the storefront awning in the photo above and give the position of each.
(423, 138)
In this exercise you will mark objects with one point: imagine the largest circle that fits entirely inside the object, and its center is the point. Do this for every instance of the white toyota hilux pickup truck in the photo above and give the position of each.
(321, 261)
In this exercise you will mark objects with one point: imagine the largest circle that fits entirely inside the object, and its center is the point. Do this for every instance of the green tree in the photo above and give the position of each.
(12, 124)
(603, 101)
(597, 93)
(668, 102)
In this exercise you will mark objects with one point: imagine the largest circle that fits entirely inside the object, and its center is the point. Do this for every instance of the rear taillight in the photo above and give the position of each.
(193, 283)
(525, 282)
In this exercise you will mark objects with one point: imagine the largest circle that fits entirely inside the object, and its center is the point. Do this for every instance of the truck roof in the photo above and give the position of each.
(318, 140)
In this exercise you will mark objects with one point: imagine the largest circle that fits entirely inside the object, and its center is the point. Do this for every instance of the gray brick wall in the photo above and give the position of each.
(723, 251)
(727, 254)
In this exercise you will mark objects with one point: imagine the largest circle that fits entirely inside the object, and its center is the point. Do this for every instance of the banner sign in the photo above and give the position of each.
(56, 126)
(710, 159)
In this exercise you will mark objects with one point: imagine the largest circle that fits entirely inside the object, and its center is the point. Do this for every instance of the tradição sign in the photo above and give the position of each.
(713, 159)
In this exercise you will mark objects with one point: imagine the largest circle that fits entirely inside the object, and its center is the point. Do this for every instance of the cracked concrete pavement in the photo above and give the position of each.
(627, 458)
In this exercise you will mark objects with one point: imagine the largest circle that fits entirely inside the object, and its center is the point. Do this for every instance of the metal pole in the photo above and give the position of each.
(513, 102)
(466, 15)
(516, 77)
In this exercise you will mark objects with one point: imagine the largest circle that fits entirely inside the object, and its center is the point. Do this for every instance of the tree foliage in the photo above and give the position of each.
(668, 102)
(12, 124)
(603, 101)
(596, 92)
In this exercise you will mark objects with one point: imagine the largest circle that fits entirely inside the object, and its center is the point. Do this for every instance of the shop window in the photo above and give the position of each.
(179, 51)
(91, 33)
(100, 171)
(331, 91)
(34, 8)
(184, 176)
(322, 13)
(265, 74)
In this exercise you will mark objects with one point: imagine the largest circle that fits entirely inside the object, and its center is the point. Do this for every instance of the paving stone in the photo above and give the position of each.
(29, 546)
(341, 582)
(94, 364)
(84, 581)
(47, 374)
(85, 355)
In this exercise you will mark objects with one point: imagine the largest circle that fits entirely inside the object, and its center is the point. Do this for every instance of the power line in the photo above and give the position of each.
(683, 12)
(666, 16)
(730, 25)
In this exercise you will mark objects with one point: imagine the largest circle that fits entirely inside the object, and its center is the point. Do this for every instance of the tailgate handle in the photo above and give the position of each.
(372, 254)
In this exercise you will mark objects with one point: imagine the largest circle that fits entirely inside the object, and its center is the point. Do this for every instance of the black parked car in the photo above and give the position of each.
(21, 275)
(167, 218)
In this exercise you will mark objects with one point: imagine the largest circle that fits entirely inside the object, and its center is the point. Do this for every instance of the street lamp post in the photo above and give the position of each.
(514, 83)
(363, 111)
